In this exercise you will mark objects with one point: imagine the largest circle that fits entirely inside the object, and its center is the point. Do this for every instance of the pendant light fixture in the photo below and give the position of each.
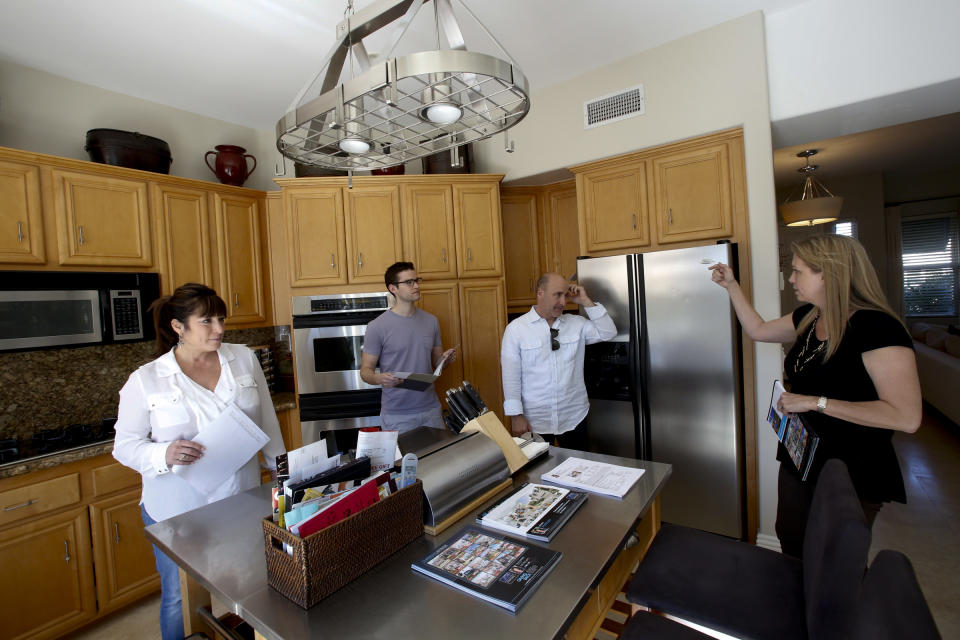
(816, 205)
(402, 108)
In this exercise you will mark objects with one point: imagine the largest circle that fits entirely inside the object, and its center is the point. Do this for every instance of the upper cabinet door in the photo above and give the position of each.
(561, 221)
(520, 251)
(477, 212)
(315, 236)
(21, 217)
(183, 236)
(692, 192)
(373, 232)
(428, 237)
(102, 221)
(238, 245)
(615, 207)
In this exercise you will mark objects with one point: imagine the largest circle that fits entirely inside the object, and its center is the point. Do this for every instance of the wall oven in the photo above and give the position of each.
(43, 309)
(328, 332)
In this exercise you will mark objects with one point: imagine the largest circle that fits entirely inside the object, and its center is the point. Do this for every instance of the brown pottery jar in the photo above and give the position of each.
(231, 164)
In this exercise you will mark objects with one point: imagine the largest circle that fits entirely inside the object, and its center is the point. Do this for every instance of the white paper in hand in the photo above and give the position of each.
(230, 441)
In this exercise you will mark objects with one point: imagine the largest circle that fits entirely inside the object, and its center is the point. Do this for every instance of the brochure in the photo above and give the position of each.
(421, 381)
(536, 511)
(797, 437)
(598, 477)
(501, 570)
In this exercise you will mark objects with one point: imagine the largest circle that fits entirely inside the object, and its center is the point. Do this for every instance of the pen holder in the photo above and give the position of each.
(333, 557)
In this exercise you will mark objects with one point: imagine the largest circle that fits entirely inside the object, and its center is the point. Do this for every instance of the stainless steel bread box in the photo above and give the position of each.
(456, 471)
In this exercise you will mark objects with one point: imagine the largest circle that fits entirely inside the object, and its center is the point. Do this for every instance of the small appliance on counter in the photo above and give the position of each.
(265, 356)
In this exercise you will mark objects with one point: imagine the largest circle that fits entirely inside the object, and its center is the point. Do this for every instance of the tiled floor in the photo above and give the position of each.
(926, 529)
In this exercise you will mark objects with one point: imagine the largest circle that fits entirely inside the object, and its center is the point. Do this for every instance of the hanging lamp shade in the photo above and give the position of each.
(403, 108)
(816, 204)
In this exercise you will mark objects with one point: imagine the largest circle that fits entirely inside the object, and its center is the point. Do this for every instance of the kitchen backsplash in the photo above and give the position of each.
(57, 387)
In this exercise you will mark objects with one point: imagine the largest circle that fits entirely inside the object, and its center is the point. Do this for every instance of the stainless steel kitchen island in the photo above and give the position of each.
(220, 549)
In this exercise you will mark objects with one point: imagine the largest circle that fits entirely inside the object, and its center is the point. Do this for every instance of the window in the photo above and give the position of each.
(846, 228)
(931, 265)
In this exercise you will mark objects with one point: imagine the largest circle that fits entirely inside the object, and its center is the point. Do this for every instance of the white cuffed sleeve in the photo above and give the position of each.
(511, 370)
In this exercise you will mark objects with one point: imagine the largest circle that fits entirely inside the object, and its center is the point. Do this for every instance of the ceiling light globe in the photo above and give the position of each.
(354, 145)
(443, 113)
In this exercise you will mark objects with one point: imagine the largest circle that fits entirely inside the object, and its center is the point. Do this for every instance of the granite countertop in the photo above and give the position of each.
(283, 401)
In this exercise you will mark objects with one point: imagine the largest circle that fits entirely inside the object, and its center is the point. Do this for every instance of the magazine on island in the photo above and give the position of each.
(490, 566)
(794, 433)
(536, 511)
(598, 477)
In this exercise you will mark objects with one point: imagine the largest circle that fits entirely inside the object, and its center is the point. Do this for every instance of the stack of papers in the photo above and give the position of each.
(598, 477)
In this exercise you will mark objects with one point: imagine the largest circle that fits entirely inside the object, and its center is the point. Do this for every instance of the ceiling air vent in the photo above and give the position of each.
(611, 108)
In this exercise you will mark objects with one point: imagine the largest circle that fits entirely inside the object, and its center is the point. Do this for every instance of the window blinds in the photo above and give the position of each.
(931, 263)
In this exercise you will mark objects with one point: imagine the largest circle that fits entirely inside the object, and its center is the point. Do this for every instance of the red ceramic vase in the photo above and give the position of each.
(230, 166)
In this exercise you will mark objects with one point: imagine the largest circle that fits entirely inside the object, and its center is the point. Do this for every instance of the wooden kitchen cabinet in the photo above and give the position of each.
(483, 318)
(476, 208)
(561, 234)
(182, 232)
(101, 220)
(21, 215)
(239, 257)
(123, 558)
(692, 194)
(428, 229)
(48, 585)
(442, 299)
(614, 206)
(373, 232)
(315, 236)
(521, 253)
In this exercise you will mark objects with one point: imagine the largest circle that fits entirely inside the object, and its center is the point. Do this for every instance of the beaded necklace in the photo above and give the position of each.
(801, 362)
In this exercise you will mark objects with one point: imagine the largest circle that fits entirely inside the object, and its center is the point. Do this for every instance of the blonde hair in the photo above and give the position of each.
(849, 279)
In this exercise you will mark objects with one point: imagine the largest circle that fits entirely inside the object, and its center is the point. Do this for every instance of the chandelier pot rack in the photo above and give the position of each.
(402, 108)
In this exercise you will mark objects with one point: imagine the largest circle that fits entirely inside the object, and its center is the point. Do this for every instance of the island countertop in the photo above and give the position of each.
(221, 546)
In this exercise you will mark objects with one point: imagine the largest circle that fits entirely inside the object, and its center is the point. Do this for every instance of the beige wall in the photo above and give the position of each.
(45, 113)
(712, 80)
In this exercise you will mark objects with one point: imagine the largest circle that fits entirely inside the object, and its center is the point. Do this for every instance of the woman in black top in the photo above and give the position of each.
(851, 370)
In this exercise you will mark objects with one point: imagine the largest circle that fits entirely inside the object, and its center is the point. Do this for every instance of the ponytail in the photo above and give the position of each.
(187, 300)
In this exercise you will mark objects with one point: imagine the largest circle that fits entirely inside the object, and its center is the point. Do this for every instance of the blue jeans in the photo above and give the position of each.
(171, 611)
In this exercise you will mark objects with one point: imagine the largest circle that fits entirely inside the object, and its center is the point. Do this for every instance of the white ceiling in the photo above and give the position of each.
(244, 61)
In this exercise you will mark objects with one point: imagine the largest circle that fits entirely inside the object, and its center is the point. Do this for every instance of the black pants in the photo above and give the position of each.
(793, 507)
(573, 439)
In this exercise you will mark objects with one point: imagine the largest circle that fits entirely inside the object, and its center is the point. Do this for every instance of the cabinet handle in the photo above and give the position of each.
(19, 232)
(80, 226)
(66, 552)
(443, 254)
(670, 216)
(116, 533)
(469, 255)
(333, 263)
(634, 217)
(236, 299)
(21, 505)
(360, 260)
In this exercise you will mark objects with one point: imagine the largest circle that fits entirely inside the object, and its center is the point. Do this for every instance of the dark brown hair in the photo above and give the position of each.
(187, 300)
(390, 277)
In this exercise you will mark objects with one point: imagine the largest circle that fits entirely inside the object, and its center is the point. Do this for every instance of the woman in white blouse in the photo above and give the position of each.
(167, 402)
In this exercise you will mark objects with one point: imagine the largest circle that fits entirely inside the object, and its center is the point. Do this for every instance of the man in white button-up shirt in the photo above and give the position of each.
(542, 362)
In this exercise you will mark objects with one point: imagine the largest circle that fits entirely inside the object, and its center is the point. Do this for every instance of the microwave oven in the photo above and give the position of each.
(46, 309)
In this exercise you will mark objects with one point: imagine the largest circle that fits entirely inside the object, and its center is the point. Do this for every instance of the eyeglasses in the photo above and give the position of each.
(554, 343)
(410, 282)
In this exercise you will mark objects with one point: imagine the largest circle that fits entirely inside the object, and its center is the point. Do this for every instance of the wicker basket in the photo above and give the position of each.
(329, 559)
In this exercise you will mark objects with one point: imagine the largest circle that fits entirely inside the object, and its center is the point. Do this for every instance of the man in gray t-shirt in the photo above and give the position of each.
(404, 338)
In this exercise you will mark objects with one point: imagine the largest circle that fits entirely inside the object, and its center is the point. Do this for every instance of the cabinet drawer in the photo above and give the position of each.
(113, 477)
(24, 502)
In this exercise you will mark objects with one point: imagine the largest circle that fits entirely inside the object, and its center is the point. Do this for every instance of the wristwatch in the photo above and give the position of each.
(821, 404)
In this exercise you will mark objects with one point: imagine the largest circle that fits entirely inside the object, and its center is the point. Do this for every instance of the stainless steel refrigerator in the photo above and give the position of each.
(668, 387)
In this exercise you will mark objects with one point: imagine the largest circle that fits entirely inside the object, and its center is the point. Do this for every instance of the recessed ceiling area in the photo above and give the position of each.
(244, 61)
(924, 145)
